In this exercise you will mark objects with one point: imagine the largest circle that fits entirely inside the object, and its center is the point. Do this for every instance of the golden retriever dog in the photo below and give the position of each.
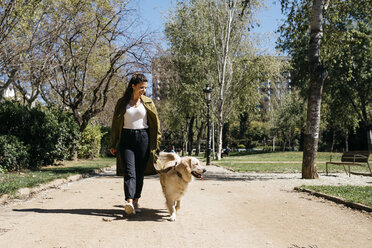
(175, 175)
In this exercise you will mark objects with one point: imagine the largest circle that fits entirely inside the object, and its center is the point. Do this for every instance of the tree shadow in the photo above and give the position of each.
(118, 213)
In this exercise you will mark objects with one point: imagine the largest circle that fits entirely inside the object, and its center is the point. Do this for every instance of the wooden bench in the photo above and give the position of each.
(353, 158)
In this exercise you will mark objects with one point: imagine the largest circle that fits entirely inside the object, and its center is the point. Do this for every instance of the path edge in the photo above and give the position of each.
(26, 193)
(335, 199)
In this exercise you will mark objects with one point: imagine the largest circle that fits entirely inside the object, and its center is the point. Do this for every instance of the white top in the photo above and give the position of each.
(135, 117)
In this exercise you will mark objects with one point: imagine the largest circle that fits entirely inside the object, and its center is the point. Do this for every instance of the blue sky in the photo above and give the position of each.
(153, 11)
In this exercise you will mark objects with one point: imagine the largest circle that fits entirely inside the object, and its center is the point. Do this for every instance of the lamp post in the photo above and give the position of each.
(207, 92)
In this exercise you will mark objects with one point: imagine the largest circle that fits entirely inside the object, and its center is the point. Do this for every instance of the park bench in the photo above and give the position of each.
(353, 158)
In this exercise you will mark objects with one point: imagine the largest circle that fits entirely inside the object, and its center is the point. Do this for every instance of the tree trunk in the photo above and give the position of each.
(369, 139)
(219, 140)
(347, 141)
(199, 137)
(317, 76)
(190, 135)
(333, 140)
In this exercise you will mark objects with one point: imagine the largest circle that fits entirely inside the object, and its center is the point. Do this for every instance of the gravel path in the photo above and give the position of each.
(225, 210)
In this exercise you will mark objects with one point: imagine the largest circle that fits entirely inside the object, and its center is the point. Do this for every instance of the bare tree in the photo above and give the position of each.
(92, 50)
(230, 21)
(25, 51)
(12, 14)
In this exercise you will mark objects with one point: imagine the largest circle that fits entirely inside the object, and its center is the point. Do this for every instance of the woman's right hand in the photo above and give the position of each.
(112, 151)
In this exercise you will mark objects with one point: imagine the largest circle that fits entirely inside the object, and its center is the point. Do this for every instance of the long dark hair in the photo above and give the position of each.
(136, 79)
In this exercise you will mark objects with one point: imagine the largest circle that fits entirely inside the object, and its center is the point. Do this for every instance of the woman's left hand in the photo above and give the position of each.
(112, 151)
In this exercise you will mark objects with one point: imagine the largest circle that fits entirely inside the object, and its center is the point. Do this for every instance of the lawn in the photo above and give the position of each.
(279, 162)
(355, 194)
(286, 162)
(11, 182)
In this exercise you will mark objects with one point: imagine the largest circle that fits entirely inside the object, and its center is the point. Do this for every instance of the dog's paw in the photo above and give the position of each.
(172, 217)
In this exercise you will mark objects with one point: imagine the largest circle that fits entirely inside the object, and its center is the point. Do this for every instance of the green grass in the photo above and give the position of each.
(279, 162)
(355, 194)
(279, 156)
(13, 181)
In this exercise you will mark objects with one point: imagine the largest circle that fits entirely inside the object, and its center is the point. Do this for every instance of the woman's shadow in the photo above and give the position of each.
(118, 213)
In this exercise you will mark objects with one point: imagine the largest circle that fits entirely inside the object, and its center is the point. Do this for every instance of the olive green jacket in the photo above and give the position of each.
(154, 133)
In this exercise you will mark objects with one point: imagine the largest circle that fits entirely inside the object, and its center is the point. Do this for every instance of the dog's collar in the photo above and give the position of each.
(179, 175)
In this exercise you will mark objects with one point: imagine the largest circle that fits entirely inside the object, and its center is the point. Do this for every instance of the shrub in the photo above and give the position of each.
(13, 154)
(69, 134)
(241, 146)
(105, 142)
(90, 142)
(48, 134)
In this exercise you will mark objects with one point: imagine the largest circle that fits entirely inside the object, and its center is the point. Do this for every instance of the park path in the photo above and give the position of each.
(225, 210)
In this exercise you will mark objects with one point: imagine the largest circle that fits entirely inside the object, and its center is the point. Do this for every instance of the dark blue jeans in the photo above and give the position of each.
(135, 153)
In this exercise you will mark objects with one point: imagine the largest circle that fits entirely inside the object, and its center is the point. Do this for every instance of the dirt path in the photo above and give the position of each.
(224, 210)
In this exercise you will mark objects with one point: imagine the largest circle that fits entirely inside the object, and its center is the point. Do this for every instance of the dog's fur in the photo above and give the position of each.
(175, 177)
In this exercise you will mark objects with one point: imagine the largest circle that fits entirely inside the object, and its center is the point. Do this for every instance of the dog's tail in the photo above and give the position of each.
(167, 160)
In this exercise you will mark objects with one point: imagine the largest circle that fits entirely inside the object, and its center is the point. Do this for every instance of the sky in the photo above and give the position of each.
(152, 14)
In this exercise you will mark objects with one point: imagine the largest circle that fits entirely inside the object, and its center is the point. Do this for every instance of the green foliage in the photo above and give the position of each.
(346, 52)
(205, 49)
(49, 135)
(241, 146)
(90, 142)
(191, 56)
(69, 134)
(258, 130)
(105, 142)
(13, 154)
(289, 119)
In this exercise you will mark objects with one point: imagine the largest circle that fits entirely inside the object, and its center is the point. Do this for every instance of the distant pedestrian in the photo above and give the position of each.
(135, 137)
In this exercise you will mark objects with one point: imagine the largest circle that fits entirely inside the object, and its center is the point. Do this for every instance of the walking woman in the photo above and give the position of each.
(135, 137)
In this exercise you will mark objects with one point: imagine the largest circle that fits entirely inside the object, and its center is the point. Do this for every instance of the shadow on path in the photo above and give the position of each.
(109, 214)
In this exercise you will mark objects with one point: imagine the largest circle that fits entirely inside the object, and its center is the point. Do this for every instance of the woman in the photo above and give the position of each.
(135, 137)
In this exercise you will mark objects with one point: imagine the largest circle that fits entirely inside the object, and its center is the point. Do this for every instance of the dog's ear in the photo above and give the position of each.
(190, 162)
(168, 159)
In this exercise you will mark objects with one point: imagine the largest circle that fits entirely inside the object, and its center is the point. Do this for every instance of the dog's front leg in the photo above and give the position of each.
(178, 205)
(172, 210)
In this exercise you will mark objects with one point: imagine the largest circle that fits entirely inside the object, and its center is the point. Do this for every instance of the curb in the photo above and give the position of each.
(26, 193)
(335, 199)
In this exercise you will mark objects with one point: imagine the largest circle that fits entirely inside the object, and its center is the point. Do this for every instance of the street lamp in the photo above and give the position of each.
(207, 92)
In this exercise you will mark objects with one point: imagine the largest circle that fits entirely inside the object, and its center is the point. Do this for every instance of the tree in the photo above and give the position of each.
(70, 53)
(352, 75)
(317, 76)
(95, 48)
(203, 51)
(188, 65)
(14, 16)
(289, 118)
(346, 40)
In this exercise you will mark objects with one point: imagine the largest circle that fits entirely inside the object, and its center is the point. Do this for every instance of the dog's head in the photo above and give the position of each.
(193, 166)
